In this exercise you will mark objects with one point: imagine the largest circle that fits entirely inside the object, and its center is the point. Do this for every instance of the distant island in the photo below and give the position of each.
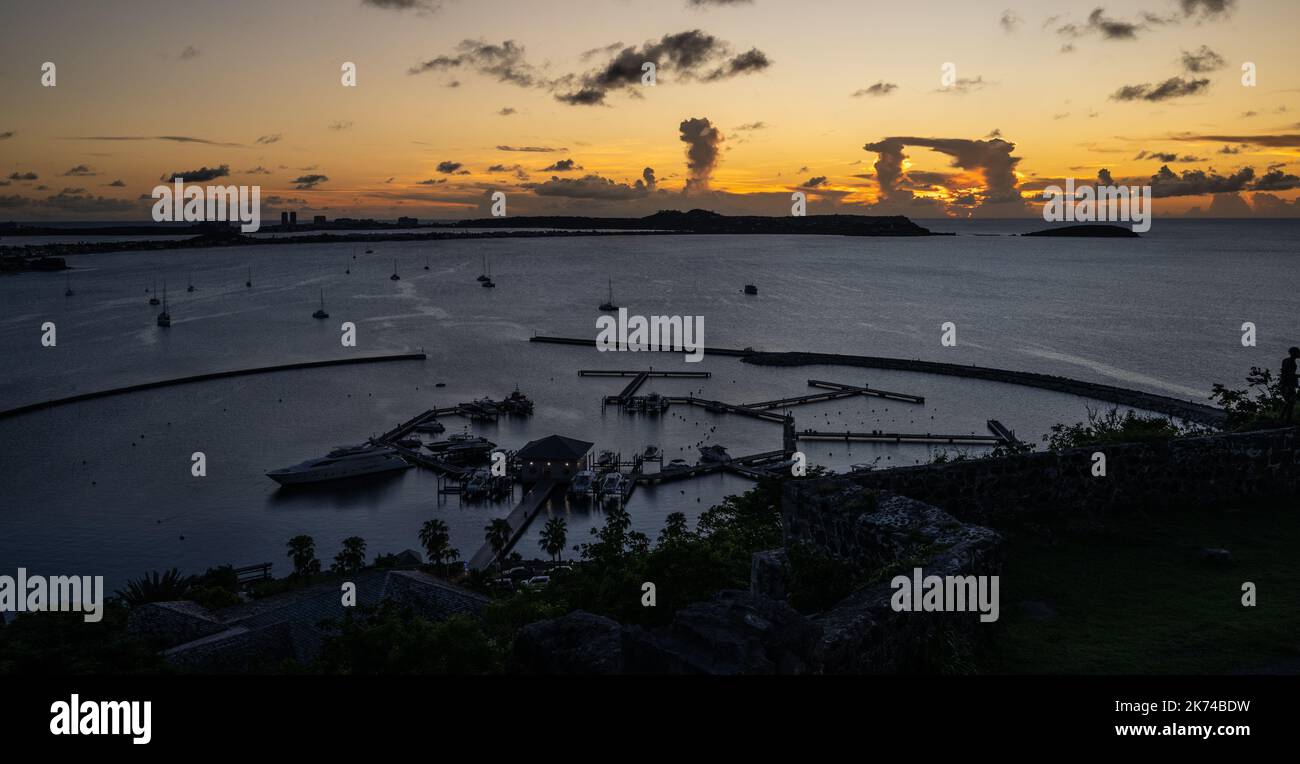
(664, 223)
(1089, 230)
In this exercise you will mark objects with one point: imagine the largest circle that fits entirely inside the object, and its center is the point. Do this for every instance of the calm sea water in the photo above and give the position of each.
(104, 487)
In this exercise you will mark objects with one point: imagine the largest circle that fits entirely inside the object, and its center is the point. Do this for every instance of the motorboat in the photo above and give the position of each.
(582, 482)
(340, 463)
(611, 486)
(676, 465)
(651, 452)
(430, 425)
(394, 277)
(164, 318)
(714, 454)
(478, 484)
(751, 289)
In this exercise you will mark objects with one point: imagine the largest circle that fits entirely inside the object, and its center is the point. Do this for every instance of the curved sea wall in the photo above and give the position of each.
(1192, 412)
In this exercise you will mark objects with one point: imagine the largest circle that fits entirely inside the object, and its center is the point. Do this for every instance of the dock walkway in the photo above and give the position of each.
(519, 518)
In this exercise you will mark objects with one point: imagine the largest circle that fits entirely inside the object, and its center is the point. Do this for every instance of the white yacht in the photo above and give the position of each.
(342, 462)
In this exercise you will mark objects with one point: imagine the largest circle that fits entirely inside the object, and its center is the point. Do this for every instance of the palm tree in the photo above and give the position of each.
(153, 587)
(302, 550)
(554, 536)
(436, 538)
(497, 535)
(352, 557)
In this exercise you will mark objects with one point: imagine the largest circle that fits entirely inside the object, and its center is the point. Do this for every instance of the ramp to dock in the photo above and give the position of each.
(519, 518)
(901, 437)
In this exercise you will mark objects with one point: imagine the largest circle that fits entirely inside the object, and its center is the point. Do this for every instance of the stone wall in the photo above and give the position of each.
(1169, 475)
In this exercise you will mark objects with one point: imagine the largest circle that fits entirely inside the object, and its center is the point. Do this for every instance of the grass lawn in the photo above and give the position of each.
(1141, 600)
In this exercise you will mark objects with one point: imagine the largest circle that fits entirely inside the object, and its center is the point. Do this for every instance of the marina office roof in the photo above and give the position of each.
(555, 448)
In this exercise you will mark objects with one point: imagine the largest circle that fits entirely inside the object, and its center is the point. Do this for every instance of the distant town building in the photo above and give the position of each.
(284, 219)
(319, 220)
(404, 221)
(293, 219)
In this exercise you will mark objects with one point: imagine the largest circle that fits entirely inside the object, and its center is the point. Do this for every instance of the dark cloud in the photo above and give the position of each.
(422, 6)
(1108, 28)
(343, 124)
(564, 165)
(1167, 183)
(1208, 9)
(173, 138)
(23, 176)
(1174, 87)
(189, 53)
(506, 111)
(991, 157)
(596, 187)
(504, 63)
(1165, 156)
(1203, 60)
(879, 89)
(1276, 180)
(531, 149)
(752, 126)
(1010, 21)
(702, 141)
(1105, 178)
(452, 168)
(258, 170)
(6, 135)
(820, 180)
(1280, 141)
(267, 140)
(200, 175)
(690, 55)
(716, 3)
(431, 182)
(117, 184)
(307, 182)
(80, 170)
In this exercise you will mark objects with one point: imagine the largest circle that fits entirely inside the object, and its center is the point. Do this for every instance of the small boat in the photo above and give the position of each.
(394, 277)
(67, 292)
(651, 452)
(430, 425)
(751, 289)
(517, 403)
(153, 300)
(462, 446)
(714, 454)
(164, 318)
(611, 486)
(249, 283)
(582, 482)
(607, 459)
(370, 252)
(676, 465)
(487, 281)
(483, 276)
(426, 263)
(608, 304)
(440, 384)
(411, 443)
(478, 484)
(320, 312)
(190, 288)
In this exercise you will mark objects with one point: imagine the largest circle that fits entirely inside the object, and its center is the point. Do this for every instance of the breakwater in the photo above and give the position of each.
(207, 377)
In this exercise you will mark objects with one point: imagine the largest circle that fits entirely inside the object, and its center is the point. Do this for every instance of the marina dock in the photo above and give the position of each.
(835, 390)
(900, 437)
(638, 379)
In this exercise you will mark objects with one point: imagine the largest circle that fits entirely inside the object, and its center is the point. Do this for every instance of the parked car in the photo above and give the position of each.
(537, 581)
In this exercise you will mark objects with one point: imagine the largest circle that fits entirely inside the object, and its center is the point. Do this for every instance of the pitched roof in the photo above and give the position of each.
(555, 447)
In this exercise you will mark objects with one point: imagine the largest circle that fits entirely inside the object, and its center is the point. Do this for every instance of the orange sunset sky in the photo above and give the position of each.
(844, 100)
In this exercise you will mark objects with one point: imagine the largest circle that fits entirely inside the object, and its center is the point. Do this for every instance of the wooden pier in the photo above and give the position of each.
(887, 395)
(720, 407)
(900, 437)
(440, 466)
(834, 391)
(518, 519)
(1000, 430)
(638, 379)
(746, 466)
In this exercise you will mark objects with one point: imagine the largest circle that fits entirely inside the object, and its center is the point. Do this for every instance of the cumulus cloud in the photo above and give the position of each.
(703, 142)
(80, 170)
(1167, 183)
(596, 187)
(563, 165)
(200, 175)
(992, 158)
(1202, 60)
(267, 140)
(343, 124)
(29, 175)
(452, 168)
(421, 6)
(6, 135)
(964, 85)
(506, 111)
(530, 149)
(1010, 21)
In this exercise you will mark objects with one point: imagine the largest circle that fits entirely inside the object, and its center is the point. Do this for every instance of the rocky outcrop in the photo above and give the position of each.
(577, 643)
